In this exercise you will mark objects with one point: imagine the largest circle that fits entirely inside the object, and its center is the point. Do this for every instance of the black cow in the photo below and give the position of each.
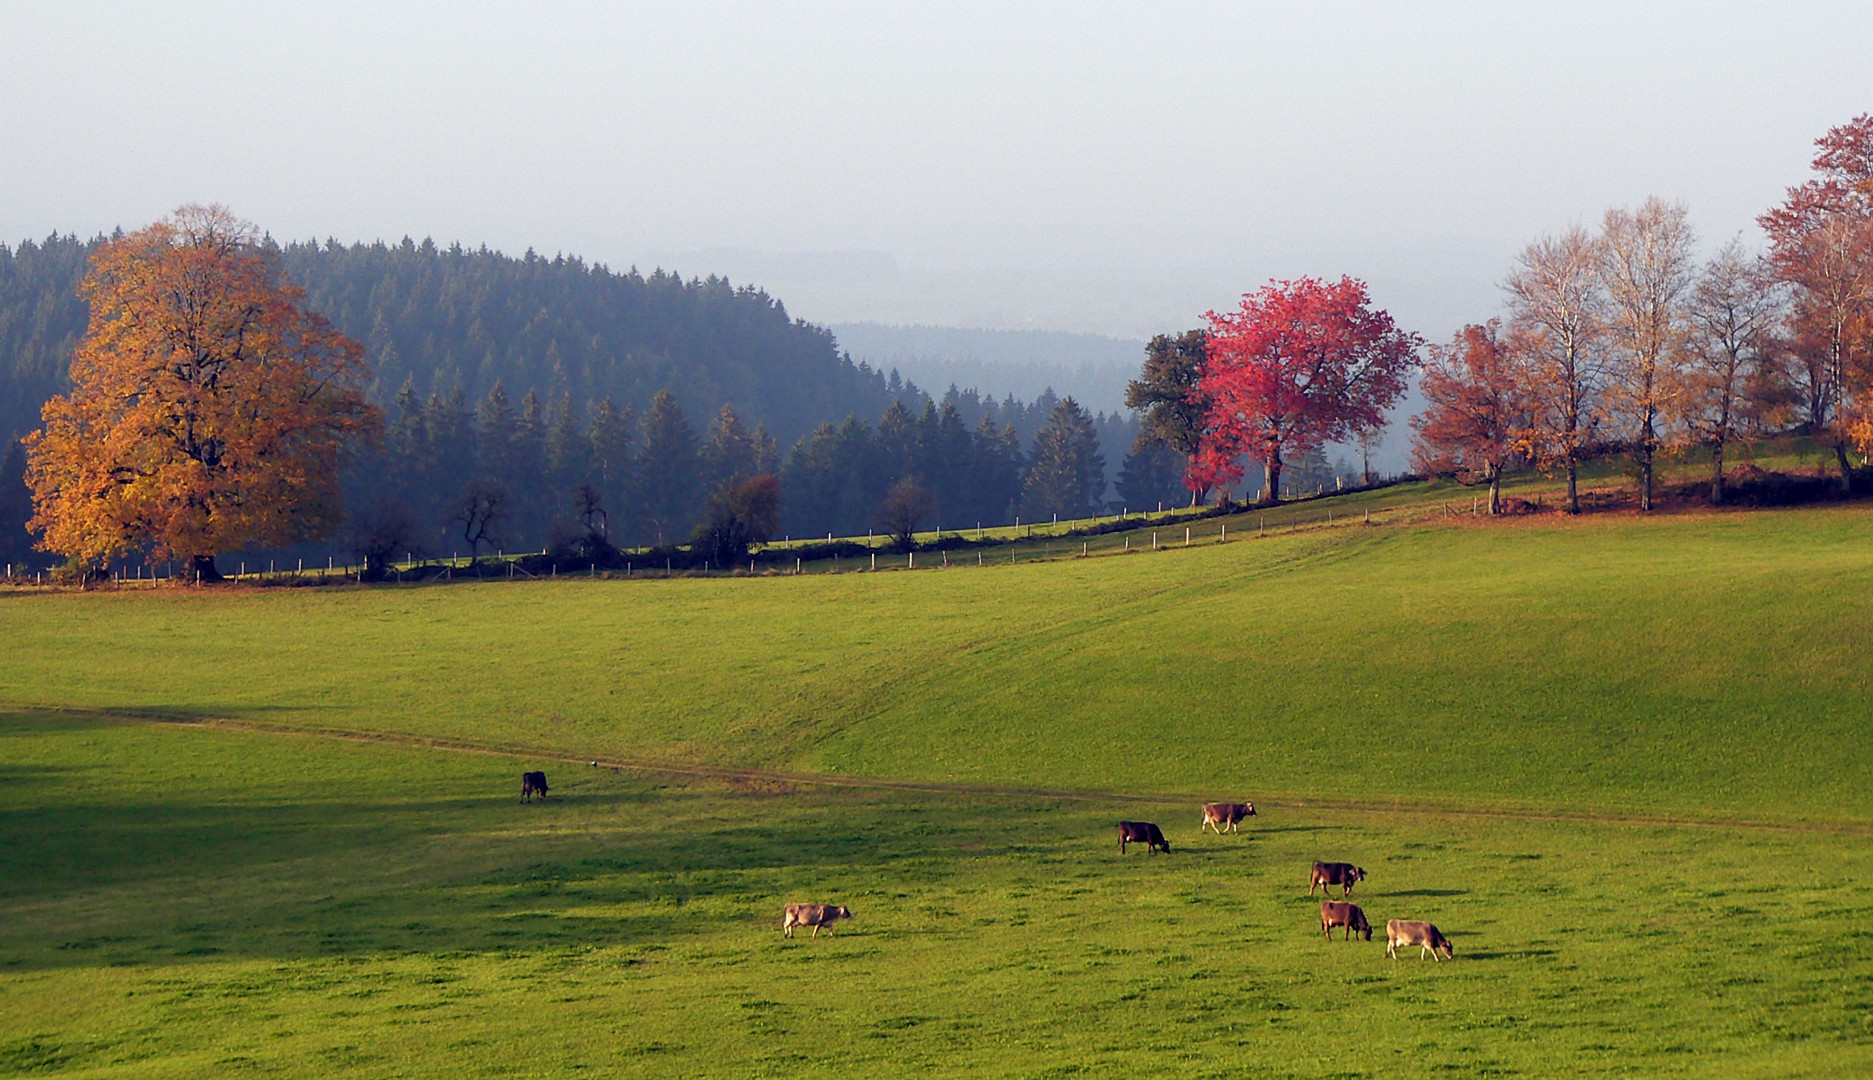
(1143, 832)
(531, 784)
(1343, 874)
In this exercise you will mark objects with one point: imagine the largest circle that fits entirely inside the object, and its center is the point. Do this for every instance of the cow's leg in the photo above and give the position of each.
(815, 929)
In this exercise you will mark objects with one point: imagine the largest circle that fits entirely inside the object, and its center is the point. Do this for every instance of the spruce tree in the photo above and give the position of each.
(667, 468)
(1068, 476)
(1152, 474)
(729, 454)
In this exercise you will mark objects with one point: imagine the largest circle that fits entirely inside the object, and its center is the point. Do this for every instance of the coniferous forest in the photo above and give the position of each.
(531, 398)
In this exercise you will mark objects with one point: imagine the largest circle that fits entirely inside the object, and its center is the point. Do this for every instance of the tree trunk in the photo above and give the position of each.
(1846, 467)
(202, 570)
(1645, 477)
(1716, 473)
(1495, 491)
(1573, 487)
(1272, 493)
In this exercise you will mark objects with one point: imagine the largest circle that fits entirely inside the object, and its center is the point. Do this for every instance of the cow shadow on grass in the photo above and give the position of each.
(1423, 892)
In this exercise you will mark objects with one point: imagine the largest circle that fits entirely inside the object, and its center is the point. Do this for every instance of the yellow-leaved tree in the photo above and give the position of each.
(208, 409)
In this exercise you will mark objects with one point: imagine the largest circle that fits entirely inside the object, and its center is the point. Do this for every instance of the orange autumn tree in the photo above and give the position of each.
(208, 408)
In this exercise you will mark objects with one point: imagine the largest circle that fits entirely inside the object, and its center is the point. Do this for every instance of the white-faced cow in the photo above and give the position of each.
(1339, 913)
(1221, 815)
(1143, 832)
(813, 915)
(531, 784)
(1343, 874)
(1422, 934)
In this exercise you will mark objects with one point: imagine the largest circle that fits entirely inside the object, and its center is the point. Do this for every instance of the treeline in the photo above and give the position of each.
(1620, 339)
(568, 393)
(451, 476)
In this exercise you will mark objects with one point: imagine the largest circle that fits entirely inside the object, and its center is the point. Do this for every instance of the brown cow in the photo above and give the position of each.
(531, 784)
(1343, 874)
(1339, 913)
(813, 915)
(1143, 832)
(1422, 934)
(1218, 814)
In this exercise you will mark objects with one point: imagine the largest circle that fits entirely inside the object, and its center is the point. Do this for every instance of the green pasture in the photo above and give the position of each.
(1622, 761)
(188, 901)
(1705, 664)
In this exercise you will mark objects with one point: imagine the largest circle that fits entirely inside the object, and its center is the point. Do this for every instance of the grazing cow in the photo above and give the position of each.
(1339, 913)
(1422, 934)
(813, 915)
(1143, 832)
(1343, 874)
(1218, 814)
(531, 784)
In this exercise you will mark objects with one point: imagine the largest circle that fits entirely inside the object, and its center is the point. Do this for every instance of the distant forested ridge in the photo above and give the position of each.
(552, 383)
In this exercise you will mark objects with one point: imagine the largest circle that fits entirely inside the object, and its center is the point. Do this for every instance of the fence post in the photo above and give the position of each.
(1154, 540)
(1186, 536)
(874, 560)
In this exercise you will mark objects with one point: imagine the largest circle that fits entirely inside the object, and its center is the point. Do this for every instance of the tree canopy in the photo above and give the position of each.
(1297, 365)
(208, 407)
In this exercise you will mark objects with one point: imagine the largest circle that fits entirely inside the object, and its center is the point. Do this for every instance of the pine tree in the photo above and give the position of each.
(729, 455)
(16, 505)
(496, 428)
(567, 450)
(1152, 474)
(667, 468)
(996, 472)
(612, 456)
(1068, 477)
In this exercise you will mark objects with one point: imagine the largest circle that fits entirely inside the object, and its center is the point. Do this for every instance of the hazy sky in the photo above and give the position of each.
(1116, 168)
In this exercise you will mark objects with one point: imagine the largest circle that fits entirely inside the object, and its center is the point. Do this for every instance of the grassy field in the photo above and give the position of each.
(193, 902)
(1622, 762)
(1707, 664)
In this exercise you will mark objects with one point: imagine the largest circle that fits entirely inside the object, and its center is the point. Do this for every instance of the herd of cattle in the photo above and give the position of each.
(1218, 816)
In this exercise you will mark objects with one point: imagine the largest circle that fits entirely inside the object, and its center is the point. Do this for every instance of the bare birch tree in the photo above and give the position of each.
(1731, 375)
(1557, 305)
(1646, 268)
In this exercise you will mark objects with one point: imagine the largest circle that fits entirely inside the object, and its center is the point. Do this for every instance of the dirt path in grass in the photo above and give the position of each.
(781, 780)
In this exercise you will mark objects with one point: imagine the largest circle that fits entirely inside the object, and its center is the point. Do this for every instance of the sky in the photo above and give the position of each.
(1114, 168)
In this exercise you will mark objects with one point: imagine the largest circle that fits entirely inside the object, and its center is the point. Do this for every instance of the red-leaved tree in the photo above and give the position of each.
(1821, 241)
(1477, 411)
(1297, 365)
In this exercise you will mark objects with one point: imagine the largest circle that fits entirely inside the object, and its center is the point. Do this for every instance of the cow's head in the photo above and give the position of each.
(1365, 929)
(840, 912)
(1359, 873)
(1445, 947)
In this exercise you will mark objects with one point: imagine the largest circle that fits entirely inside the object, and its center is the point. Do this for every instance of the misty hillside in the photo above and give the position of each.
(1091, 368)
